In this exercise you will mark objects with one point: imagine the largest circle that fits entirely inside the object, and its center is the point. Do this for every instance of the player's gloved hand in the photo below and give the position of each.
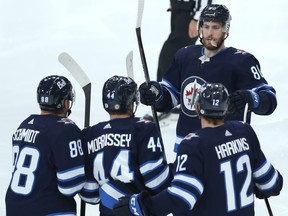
(150, 93)
(275, 192)
(259, 194)
(238, 99)
(131, 205)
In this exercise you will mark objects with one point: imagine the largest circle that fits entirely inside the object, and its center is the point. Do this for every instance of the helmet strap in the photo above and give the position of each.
(227, 35)
(68, 110)
(135, 109)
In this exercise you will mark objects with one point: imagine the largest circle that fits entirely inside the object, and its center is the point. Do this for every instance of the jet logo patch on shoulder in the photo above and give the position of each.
(66, 121)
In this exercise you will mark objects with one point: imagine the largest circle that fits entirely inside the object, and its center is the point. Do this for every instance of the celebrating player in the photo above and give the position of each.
(48, 162)
(195, 65)
(124, 154)
(217, 171)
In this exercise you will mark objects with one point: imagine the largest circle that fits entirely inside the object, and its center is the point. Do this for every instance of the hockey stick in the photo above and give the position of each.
(144, 63)
(265, 199)
(80, 76)
(245, 113)
(268, 206)
(129, 64)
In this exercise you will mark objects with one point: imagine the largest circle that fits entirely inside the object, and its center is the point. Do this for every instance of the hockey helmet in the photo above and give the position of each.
(215, 13)
(212, 100)
(119, 93)
(52, 91)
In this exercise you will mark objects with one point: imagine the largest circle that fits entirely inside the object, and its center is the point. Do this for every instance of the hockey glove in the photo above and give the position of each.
(131, 205)
(150, 93)
(238, 99)
(259, 194)
(267, 193)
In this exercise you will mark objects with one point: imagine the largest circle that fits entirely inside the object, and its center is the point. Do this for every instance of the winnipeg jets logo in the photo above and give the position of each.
(190, 135)
(143, 120)
(191, 94)
(190, 89)
(240, 52)
(66, 121)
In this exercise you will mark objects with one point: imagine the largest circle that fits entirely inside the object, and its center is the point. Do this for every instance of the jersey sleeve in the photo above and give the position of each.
(153, 166)
(68, 159)
(248, 70)
(171, 84)
(187, 184)
(251, 77)
(266, 178)
(90, 191)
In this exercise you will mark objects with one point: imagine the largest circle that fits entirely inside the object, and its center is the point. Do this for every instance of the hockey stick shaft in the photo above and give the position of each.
(265, 199)
(268, 207)
(129, 65)
(87, 92)
(144, 63)
(142, 54)
(80, 76)
(146, 72)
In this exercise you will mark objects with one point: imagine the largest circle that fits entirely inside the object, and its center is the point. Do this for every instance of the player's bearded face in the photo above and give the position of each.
(213, 43)
(213, 35)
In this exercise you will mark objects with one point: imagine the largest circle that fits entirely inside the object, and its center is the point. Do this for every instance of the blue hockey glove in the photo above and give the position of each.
(238, 99)
(150, 93)
(131, 205)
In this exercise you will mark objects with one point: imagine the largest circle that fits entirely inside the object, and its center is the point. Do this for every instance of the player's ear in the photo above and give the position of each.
(197, 108)
(67, 107)
(66, 104)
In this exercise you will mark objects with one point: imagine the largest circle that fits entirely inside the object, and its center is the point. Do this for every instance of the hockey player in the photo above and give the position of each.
(217, 169)
(48, 162)
(183, 25)
(124, 154)
(183, 30)
(195, 65)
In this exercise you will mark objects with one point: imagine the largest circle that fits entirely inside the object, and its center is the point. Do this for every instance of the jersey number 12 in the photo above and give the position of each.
(231, 193)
